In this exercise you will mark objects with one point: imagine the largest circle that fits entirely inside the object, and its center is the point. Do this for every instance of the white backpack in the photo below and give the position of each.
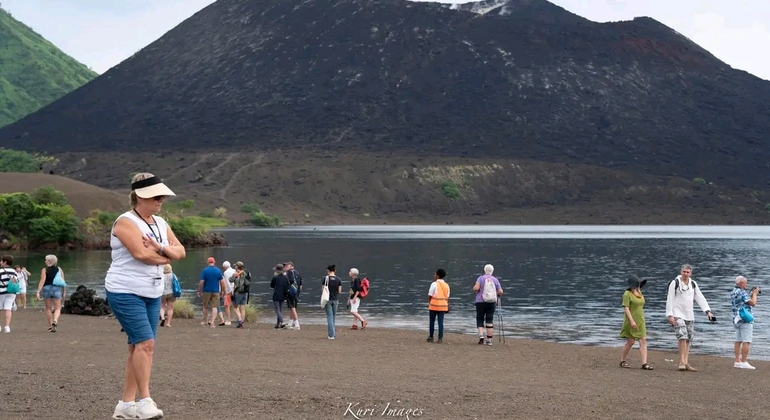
(490, 292)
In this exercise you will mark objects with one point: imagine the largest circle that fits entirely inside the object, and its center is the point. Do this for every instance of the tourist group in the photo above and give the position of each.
(141, 288)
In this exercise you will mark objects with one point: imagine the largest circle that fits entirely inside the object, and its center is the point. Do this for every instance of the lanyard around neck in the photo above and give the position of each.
(160, 237)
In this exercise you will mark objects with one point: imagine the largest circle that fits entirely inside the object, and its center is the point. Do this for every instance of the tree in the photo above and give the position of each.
(49, 195)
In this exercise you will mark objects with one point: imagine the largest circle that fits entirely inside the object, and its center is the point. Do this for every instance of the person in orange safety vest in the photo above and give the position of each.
(438, 303)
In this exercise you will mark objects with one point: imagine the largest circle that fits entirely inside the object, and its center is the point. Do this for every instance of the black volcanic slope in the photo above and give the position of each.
(525, 80)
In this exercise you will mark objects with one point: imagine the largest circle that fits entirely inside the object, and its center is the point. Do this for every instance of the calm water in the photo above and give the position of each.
(561, 283)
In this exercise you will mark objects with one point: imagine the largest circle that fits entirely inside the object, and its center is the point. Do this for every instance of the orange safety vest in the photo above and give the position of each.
(440, 302)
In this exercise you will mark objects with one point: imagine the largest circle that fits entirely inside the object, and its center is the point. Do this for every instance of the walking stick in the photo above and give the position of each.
(502, 321)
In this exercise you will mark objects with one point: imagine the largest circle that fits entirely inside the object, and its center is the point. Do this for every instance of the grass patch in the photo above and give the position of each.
(184, 309)
(265, 220)
(699, 181)
(450, 190)
(253, 312)
(250, 208)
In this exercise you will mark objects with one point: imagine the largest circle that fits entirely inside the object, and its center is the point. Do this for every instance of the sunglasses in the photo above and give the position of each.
(159, 198)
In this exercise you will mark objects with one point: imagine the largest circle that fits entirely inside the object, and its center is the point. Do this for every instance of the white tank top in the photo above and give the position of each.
(129, 275)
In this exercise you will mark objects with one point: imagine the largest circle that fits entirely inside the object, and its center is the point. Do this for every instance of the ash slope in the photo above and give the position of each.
(524, 80)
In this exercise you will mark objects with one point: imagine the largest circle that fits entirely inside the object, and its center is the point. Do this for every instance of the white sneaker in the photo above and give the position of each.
(7, 329)
(746, 365)
(146, 409)
(737, 365)
(125, 410)
(228, 323)
(331, 338)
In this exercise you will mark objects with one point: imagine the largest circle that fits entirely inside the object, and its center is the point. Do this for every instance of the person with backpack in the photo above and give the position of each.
(682, 291)
(354, 299)
(293, 274)
(280, 286)
(487, 289)
(292, 298)
(438, 304)
(241, 289)
(168, 298)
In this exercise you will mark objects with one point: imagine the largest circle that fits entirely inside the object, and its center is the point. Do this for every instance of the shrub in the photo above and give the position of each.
(250, 208)
(185, 229)
(253, 312)
(184, 309)
(105, 218)
(17, 161)
(49, 195)
(265, 220)
(767, 207)
(43, 230)
(699, 181)
(450, 190)
(220, 212)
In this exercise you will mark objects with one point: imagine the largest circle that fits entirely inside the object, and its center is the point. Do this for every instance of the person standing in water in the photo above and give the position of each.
(634, 327)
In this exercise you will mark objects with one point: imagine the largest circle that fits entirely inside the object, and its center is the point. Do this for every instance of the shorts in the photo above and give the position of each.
(23, 290)
(51, 292)
(225, 300)
(239, 299)
(354, 306)
(744, 332)
(291, 302)
(7, 300)
(684, 329)
(137, 315)
(485, 314)
(168, 298)
(210, 300)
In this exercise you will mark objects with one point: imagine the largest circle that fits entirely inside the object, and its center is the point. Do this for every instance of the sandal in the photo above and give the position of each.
(646, 367)
(625, 364)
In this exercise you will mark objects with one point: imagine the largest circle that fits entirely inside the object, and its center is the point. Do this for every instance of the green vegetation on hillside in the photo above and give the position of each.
(33, 72)
(45, 217)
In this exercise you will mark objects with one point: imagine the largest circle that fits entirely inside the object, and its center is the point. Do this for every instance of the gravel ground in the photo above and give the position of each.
(261, 373)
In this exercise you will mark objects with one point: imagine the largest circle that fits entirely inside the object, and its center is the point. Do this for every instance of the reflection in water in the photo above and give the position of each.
(561, 283)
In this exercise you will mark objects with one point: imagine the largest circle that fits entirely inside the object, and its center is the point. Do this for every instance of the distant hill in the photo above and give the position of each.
(33, 72)
(515, 79)
(81, 196)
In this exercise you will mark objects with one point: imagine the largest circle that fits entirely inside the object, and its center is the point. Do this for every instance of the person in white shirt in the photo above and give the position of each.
(227, 297)
(682, 291)
(21, 297)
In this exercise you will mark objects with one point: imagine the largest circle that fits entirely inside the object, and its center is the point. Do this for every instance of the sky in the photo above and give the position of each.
(102, 33)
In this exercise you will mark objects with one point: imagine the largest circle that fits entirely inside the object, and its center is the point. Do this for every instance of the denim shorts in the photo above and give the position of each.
(239, 299)
(744, 332)
(51, 292)
(137, 315)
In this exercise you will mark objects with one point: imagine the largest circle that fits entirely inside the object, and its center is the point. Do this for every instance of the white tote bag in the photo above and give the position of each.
(325, 293)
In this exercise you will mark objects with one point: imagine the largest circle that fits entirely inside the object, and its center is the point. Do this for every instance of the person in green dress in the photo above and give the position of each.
(633, 321)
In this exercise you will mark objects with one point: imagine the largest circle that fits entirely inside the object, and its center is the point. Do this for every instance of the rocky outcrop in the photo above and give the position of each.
(85, 302)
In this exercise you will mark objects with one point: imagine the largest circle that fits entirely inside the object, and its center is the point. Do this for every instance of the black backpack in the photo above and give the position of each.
(246, 288)
(678, 288)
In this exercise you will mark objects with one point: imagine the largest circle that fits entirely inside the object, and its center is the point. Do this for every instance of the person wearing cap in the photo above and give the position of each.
(142, 243)
(209, 288)
(634, 327)
(280, 286)
(227, 302)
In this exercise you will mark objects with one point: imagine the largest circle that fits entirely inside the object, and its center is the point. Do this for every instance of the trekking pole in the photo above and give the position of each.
(502, 319)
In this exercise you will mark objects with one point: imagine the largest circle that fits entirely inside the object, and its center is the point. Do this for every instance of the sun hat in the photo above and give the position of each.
(634, 282)
(150, 187)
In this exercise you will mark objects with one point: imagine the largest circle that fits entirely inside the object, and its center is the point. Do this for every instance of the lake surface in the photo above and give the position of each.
(561, 283)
